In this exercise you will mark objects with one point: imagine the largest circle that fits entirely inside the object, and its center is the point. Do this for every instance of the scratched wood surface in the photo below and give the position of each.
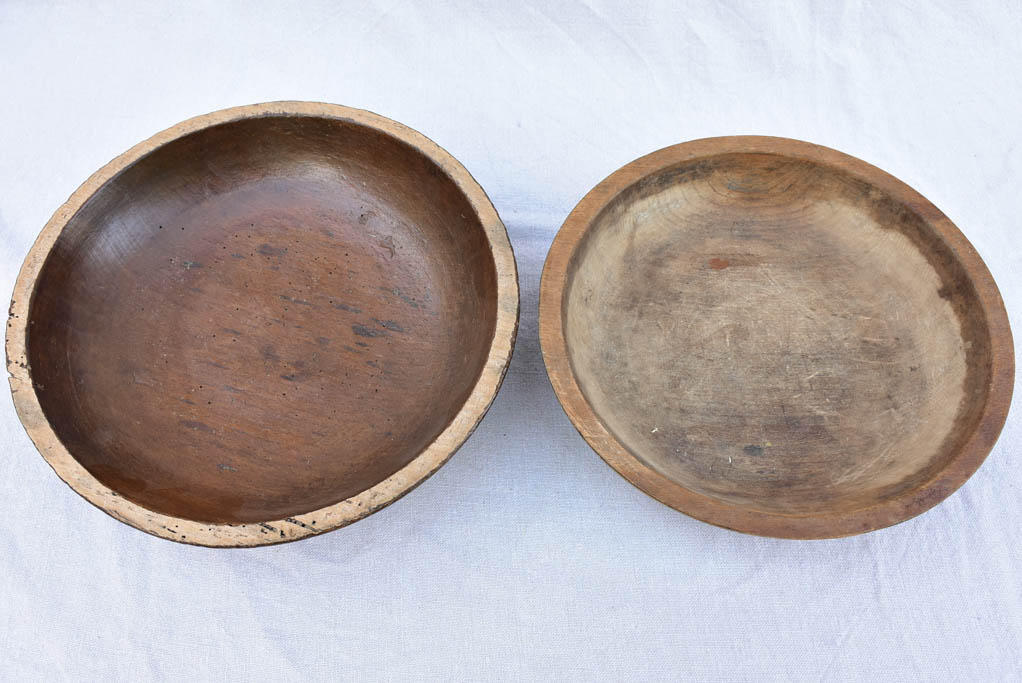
(264, 324)
(775, 337)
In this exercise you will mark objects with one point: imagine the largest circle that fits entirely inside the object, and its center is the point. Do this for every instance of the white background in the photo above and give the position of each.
(525, 557)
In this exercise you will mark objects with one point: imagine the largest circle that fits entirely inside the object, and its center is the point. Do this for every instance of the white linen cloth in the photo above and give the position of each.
(526, 557)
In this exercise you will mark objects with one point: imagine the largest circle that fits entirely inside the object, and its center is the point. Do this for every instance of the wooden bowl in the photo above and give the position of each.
(775, 337)
(263, 323)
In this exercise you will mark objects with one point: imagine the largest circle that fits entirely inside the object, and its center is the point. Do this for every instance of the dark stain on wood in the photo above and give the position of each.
(345, 307)
(268, 250)
(389, 324)
(363, 331)
(196, 425)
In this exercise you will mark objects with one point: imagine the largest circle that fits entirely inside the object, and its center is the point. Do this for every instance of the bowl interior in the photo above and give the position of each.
(775, 334)
(262, 318)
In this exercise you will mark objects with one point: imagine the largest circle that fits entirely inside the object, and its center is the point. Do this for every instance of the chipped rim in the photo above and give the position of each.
(555, 284)
(332, 516)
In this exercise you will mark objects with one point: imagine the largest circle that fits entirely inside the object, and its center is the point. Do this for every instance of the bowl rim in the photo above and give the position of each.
(328, 518)
(885, 513)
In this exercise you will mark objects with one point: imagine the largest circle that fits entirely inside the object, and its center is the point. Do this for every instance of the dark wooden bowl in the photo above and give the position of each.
(263, 323)
(775, 337)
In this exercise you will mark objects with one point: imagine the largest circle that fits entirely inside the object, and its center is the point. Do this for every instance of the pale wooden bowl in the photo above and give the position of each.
(263, 323)
(775, 337)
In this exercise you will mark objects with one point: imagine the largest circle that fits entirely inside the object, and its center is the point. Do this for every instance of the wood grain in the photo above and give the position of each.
(775, 337)
(263, 323)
